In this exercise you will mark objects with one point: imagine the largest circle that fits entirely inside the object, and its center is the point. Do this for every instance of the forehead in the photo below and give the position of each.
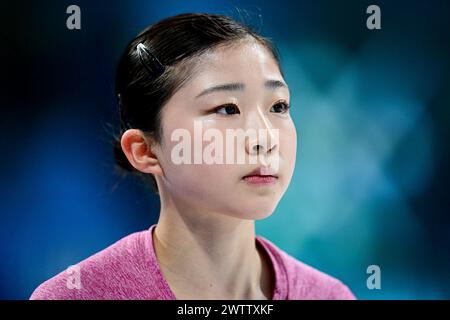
(248, 62)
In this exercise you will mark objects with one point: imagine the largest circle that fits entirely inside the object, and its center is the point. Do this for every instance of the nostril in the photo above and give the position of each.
(272, 149)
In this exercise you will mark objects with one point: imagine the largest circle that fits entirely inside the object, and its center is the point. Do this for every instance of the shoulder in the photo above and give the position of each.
(100, 275)
(303, 281)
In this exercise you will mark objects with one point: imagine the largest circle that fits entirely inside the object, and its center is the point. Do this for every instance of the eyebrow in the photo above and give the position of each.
(269, 84)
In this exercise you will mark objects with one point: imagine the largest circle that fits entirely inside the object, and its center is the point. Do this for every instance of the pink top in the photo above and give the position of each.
(129, 269)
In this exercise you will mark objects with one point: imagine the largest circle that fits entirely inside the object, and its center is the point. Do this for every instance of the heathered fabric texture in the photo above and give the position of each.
(129, 269)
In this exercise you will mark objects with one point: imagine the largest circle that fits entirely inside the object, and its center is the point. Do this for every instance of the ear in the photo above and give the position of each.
(137, 148)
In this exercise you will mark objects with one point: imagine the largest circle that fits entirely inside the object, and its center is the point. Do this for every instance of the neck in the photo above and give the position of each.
(208, 255)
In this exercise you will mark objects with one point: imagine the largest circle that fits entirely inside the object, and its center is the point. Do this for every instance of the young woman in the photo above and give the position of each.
(183, 73)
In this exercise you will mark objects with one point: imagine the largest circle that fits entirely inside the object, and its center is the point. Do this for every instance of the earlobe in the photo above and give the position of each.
(137, 149)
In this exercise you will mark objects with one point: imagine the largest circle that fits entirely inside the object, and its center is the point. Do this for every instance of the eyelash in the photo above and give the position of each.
(215, 110)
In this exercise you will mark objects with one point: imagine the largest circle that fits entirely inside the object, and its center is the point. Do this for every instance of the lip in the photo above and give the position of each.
(261, 176)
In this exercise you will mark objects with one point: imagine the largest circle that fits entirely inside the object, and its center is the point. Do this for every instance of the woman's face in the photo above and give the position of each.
(255, 95)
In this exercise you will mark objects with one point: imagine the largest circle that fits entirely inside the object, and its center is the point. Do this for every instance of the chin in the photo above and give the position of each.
(262, 215)
(257, 213)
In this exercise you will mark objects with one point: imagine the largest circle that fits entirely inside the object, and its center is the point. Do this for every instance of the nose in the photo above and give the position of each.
(265, 139)
(257, 147)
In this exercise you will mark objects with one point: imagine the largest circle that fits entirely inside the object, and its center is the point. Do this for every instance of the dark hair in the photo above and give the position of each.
(174, 42)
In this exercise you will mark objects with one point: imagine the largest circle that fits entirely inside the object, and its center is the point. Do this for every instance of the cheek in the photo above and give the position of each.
(192, 179)
(208, 186)
(288, 146)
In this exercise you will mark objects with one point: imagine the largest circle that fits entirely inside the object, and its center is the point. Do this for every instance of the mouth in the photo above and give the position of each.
(261, 176)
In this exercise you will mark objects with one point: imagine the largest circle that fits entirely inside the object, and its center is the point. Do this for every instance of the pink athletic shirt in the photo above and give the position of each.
(129, 269)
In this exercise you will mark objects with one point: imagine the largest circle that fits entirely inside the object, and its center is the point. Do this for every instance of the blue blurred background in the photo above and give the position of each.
(371, 109)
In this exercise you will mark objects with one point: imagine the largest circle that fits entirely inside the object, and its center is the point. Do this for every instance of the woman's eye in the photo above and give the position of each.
(280, 107)
(228, 109)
